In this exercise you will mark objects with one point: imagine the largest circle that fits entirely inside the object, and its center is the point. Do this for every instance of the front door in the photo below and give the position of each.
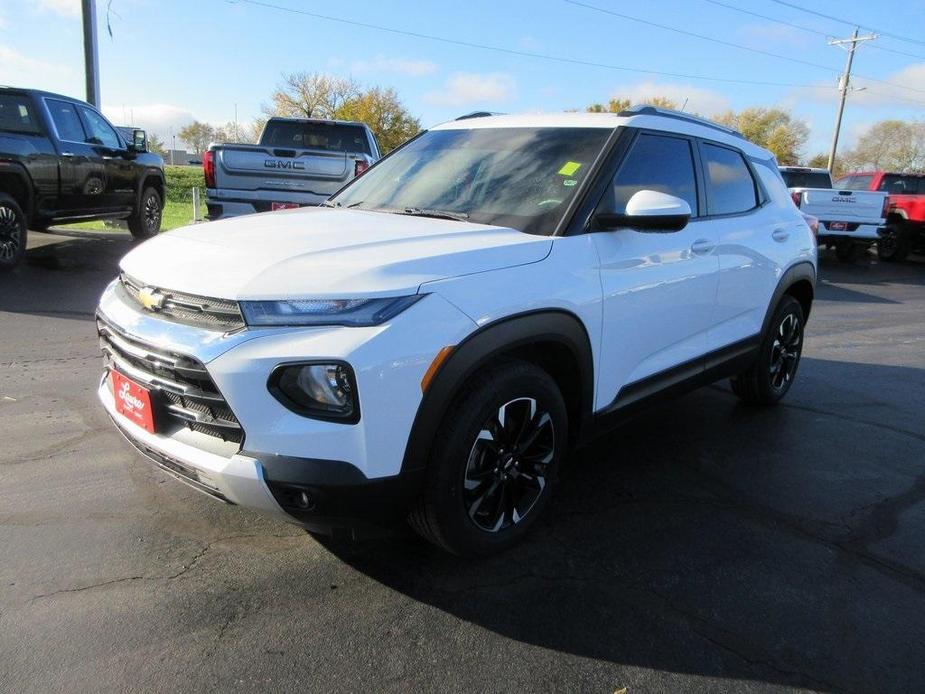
(81, 168)
(119, 191)
(659, 288)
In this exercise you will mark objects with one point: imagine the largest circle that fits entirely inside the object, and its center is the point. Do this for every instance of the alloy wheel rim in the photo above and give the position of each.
(152, 213)
(785, 351)
(888, 241)
(507, 468)
(10, 233)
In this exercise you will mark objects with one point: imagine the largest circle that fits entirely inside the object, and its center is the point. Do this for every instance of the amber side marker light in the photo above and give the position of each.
(435, 367)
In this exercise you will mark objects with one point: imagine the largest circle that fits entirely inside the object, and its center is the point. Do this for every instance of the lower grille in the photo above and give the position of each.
(185, 392)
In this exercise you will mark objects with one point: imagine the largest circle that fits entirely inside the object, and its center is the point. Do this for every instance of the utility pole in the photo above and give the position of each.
(844, 83)
(91, 53)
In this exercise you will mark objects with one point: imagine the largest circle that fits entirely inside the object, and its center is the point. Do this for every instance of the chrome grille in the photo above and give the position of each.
(188, 396)
(190, 309)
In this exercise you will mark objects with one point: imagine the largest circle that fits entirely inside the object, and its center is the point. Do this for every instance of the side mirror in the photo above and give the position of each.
(139, 141)
(648, 210)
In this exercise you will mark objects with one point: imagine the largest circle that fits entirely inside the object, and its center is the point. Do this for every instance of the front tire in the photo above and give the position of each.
(12, 232)
(775, 368)
(494, 461)
(145, 222)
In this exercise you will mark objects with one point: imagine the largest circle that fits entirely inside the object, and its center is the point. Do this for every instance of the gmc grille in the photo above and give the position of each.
(186, 395)
(189, 309)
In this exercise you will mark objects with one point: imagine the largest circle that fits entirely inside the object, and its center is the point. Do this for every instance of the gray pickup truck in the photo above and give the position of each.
(298, 161)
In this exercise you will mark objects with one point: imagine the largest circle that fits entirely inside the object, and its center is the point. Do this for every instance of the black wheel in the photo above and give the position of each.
(893, 246)
(773, 372)
(12, 232)
(848, 251)
(494, 463)
(145, 222)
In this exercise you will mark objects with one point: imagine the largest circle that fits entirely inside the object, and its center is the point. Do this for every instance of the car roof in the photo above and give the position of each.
(637, 117)
(40, 92)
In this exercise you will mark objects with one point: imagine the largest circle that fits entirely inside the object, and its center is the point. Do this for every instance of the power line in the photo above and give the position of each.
(525, 54)
(808, 29)
(735, 45)
(842, 20)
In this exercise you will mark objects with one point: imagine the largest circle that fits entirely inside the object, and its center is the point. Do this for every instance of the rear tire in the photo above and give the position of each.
(13, 232)
(893, 245)
(494, 461)
(145, 222)
(775, 368)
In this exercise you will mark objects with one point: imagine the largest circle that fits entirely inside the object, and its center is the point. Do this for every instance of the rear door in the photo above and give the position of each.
(81, 169)
(659, 288)
(119, 182)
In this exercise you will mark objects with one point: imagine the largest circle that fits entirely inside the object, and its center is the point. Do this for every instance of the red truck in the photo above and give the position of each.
(904, 231)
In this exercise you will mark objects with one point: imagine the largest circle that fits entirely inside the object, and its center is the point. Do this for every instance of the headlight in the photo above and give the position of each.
(352, 312)
(317, 389)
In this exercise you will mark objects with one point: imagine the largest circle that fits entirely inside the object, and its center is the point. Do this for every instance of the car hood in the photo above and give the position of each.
(325, 252)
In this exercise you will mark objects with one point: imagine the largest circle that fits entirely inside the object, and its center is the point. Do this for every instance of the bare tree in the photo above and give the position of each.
(311, 95)
(893, 145)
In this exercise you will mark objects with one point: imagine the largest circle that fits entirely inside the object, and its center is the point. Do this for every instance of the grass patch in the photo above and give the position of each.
(176, 214)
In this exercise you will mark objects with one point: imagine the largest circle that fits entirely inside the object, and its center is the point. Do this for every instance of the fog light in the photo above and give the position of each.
(318, 390)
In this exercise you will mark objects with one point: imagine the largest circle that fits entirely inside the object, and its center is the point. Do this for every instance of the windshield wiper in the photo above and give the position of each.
(330, 203)
(436, 214)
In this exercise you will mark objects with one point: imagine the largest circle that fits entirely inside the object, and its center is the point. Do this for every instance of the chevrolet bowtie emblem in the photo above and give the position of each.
(150, 298)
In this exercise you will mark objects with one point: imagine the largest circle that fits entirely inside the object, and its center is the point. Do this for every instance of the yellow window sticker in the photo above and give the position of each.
(569, 168)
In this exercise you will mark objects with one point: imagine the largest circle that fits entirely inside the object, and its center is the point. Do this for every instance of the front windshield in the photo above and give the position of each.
(522, 178)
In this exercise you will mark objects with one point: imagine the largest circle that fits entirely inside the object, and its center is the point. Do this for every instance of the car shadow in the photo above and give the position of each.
(63, 273)
(712, 538)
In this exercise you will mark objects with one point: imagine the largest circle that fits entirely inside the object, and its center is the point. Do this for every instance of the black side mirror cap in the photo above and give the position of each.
(667, 223)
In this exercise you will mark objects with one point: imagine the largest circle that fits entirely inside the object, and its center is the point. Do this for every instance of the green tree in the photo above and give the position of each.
(772, 128)
(894, 145)
(818, 161)
(617, 104)
(197, 135)
(315, 95)
(156, 145)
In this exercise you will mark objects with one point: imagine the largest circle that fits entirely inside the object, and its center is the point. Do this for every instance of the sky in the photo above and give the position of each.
(167, 62)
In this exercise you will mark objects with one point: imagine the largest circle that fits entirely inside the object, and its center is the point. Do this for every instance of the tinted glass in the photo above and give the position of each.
(67, 122)
(898, 184)
(18, 115)
(330, 137)
(807, 179)
(855, 183)
(523, 178)
(664, 164)
(100, 132)
(730, 185)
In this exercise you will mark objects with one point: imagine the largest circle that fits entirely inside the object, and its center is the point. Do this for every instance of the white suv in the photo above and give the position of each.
(432, 343)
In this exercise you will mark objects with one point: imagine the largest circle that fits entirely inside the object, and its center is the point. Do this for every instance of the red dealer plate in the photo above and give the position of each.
(132, 401)
(838, 226)
(283, 205)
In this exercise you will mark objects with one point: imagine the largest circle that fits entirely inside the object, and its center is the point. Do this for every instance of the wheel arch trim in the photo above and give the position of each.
(489, 342)
(803, 271)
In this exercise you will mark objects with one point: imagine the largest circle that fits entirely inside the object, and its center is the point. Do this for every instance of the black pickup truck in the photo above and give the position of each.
(62, 161)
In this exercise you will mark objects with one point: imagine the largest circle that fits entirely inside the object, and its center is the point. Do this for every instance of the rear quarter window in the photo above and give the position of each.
(730, 186)
(17, 115)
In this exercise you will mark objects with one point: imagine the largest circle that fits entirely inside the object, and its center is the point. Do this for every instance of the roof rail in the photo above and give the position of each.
(478, 114)
(646, 110)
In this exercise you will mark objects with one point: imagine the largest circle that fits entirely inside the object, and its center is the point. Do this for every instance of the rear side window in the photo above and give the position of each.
(656, 162)
(17, 115)
(330, 137)
(730, 186)
(66, 120)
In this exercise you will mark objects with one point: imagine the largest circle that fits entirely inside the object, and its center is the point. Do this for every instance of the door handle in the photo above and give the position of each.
(780, 235)
(67, 154)
(702, 246)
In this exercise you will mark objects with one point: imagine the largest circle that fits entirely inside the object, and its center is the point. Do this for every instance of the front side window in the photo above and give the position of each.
(100, 132)
(898, 184)
(523, 178)
(730, 186)
(66, 120)
(655, 162)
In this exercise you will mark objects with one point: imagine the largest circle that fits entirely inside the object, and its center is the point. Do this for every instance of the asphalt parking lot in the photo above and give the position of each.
(704, 547)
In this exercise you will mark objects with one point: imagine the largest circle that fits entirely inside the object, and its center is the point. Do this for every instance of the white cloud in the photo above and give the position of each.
(909, 88)
(22, 70)
(699, 100)
(463, 88)
(66, 8)
(401, 66)
(161, 119)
